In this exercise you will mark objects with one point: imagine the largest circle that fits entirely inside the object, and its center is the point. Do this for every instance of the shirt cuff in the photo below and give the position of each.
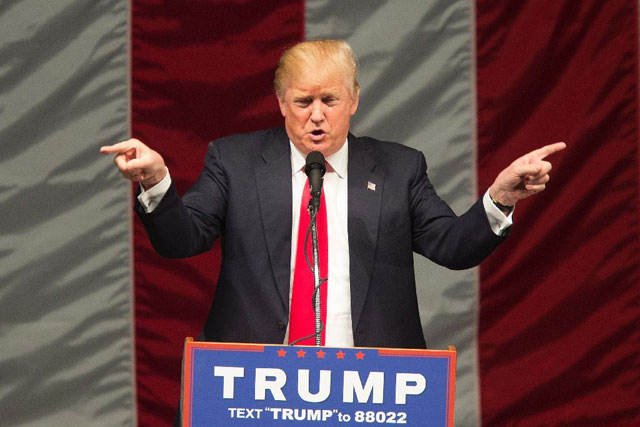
(498, 221)
(150, 199)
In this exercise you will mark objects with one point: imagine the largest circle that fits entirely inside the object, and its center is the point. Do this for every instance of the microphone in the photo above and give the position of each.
(315, 170)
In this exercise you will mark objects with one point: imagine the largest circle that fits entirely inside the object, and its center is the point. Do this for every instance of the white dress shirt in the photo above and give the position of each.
(338, 331)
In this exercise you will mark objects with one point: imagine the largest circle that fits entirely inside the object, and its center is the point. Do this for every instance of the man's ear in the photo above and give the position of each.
(282, 104)
(354, 102)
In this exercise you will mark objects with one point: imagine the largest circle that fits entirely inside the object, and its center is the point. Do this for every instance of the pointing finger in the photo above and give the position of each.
(120, 147)
(545, 151)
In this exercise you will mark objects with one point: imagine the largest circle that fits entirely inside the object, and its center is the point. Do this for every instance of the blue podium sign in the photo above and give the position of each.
(251, 384)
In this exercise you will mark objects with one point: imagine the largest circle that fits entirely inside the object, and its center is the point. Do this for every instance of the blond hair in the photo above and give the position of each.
(322, 56)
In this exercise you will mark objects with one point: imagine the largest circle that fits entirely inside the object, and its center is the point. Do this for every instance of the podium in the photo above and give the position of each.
(277, 385)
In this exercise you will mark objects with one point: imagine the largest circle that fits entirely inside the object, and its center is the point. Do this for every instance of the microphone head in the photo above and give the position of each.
(315, 160)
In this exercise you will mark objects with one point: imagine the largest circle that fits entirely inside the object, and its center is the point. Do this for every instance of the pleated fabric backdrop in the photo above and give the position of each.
(92, 321)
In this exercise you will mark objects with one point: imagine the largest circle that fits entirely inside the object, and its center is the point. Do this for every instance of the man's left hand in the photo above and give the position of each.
(525, 176)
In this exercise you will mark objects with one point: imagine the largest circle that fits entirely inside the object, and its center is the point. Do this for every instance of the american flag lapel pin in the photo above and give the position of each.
(371, 186)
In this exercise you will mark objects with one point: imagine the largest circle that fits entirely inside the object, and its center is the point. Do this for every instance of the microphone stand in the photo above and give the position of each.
(317, 306)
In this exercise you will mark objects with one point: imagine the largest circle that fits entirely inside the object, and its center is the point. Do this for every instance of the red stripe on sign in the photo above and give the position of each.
(255, 348)
(559, 299)
(200, 70)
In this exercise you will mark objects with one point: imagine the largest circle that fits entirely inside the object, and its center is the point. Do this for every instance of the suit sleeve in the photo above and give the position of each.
(456, 242)
(179, 228)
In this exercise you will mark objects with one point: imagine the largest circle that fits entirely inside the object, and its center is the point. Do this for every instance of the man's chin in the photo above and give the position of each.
(311, 145)
(326, 146)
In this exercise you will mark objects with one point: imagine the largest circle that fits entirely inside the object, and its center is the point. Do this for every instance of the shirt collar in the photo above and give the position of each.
(337, 162)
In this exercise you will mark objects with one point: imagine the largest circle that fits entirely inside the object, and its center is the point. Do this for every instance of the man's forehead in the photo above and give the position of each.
(307, 78)
(300, 90)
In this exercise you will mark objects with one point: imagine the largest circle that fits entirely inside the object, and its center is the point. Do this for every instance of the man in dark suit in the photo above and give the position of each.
(380, 205)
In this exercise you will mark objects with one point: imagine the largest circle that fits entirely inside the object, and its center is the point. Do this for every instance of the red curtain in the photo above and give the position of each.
(200, 70)
(559, 328)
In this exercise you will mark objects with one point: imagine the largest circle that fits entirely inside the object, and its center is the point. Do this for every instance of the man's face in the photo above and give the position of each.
(317, 112)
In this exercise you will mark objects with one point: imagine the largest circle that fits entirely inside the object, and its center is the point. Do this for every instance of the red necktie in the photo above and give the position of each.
(302, 318)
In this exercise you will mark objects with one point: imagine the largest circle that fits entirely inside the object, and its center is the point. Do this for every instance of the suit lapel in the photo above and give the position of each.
(273, 181)
(364, 206)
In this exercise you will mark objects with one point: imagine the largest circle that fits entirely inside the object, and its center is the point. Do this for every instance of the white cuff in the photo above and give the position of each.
(150, 199)
(498, 221)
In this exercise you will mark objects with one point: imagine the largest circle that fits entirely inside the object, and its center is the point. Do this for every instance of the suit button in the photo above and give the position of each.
(281, 325)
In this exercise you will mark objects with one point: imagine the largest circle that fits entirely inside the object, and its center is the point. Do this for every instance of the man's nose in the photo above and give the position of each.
(317, 115)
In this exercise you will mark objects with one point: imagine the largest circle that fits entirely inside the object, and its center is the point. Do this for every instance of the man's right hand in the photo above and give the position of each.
(137, 162)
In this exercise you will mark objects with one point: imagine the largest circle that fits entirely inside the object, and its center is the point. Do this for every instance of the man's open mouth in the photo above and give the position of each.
(317, 135)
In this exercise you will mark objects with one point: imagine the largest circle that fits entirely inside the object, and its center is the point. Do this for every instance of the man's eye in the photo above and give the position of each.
(302, 102)
(330, 101)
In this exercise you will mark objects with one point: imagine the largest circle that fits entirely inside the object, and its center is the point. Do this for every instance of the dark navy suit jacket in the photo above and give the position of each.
(243, 195)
